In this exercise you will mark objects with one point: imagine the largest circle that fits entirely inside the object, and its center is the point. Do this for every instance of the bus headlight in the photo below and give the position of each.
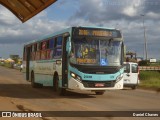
(75, 76)
(119, 78)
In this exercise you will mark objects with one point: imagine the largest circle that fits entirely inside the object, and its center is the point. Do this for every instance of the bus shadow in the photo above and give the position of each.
(75, 94)
(27, 92)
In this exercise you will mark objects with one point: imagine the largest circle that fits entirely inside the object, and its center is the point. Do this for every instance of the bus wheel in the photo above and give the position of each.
(55, 83)
(32, 80)
(99, 92)
(60, 91)
(33, 84)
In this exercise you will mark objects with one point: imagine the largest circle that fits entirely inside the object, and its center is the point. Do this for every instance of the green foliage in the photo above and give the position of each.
(154, 64)
(8, 65)
(15, 59)
(150, 79)
(143, 63)
(1, 64)
(147, 63)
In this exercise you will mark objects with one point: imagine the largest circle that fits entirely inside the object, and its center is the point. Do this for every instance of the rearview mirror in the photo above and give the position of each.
(71, 55)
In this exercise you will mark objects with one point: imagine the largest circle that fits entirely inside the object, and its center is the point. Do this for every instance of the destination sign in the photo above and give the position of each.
(89, 61)
(96, 32)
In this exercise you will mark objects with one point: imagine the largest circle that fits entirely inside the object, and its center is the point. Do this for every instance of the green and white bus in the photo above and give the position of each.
(77, 58)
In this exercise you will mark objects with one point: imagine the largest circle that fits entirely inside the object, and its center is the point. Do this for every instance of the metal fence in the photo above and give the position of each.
(149, 67)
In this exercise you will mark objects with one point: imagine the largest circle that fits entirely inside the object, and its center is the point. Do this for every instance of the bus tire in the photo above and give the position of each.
(32, 80)
(56, 88)
(55, 83)
(33, 84)
(99, 92)
(62, 91)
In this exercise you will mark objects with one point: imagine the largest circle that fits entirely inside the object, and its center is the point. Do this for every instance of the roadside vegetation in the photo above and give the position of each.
(9, 65)
(147, 63)
(150, 79)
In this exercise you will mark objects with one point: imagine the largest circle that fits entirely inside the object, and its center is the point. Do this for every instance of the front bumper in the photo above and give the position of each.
(78, 85)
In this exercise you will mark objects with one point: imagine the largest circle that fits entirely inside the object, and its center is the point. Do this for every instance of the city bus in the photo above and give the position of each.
(76, 58)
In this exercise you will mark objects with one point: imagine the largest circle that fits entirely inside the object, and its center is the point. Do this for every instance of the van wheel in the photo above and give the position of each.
(99, 93)
(134, 87)
(56, 88)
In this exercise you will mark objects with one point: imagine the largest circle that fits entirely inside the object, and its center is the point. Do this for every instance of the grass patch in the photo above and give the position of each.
(150, 79)
(9, 65)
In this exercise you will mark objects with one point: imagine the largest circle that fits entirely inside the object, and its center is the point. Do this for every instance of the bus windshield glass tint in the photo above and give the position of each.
(96, 52)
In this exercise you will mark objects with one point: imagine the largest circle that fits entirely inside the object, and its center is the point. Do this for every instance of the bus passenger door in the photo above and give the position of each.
(28, 52)
(65, 61)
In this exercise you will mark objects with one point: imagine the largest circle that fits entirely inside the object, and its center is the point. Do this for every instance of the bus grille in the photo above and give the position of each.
(92, 84)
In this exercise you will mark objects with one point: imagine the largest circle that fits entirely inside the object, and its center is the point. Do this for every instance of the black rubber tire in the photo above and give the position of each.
(60, 91)
(32, 80)
(33, 84)
(55, 83)
(134, 87)
(99, 92)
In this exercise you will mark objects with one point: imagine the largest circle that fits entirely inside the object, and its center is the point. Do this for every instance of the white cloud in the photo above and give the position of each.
(153, 15)
(130, 11)
(38, 26)
(7, 17)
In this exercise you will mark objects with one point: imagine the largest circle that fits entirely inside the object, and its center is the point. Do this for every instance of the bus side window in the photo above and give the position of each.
(51, 43)
(48, 50)
(58, 47)
(38, 51)
(34, 49)
(38, 46)
(47, 46)
(31, 52)
(44, 45)
(51, 47)
(43, 51)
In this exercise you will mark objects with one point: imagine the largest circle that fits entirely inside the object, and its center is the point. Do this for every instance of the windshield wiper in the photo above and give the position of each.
(110, 40)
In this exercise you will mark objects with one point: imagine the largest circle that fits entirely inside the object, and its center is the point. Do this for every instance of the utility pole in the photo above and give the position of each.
(145, 39)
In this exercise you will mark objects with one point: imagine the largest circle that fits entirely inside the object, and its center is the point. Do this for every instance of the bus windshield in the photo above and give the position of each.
(96, 52)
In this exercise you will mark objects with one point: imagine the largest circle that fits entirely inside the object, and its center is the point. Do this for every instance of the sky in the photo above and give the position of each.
(121, 14)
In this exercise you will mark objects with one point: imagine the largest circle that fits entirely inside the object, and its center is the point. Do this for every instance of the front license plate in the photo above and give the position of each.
(99, 85)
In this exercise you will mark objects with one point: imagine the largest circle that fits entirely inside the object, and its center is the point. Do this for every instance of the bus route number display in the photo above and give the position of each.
(99, 33)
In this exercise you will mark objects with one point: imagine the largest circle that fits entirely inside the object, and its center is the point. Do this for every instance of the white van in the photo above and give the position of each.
(131, 75)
